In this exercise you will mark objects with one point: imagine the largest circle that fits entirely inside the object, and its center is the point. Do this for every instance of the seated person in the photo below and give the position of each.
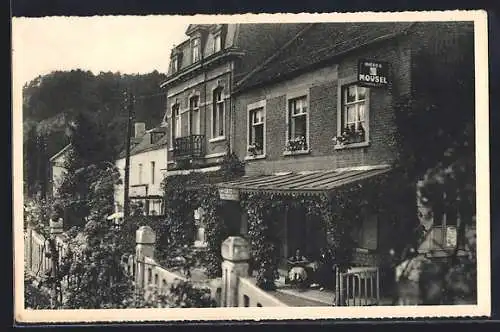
(301, 267)
(298, 258)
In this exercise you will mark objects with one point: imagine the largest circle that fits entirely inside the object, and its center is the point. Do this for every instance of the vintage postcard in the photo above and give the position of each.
(173, 168)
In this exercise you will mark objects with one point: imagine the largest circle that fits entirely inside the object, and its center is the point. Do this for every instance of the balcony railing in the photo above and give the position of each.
(192, 146)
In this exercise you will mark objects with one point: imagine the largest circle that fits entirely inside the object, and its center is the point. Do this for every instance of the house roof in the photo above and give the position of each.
(319, 43)
(258, 40)
(312, 182)
(60, 153)
(144, 143)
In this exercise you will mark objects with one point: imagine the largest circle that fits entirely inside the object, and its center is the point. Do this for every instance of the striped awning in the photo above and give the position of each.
(310, 182)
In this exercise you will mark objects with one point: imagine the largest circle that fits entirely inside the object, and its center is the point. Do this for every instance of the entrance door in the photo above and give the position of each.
(296, 232)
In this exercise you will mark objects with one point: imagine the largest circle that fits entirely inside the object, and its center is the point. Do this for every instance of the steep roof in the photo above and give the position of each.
(260, 41)
(257, 40)
(144, 143)
(319, 43)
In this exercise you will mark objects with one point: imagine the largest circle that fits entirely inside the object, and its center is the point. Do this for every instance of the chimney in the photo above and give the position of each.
(139, 129)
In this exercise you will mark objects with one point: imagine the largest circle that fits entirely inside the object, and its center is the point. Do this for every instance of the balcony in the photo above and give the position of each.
(189, 147)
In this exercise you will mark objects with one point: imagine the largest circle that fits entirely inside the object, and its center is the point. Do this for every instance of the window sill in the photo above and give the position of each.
(261, 156)
(352, 145)
(217, 139)
(298, 152)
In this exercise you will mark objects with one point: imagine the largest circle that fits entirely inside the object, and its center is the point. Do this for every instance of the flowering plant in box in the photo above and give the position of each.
(350, 135)
(296, 144)
(255, 149)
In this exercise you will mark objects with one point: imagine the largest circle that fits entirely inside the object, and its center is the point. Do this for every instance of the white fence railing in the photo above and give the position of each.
(250, 295)
(35, 253)
(358, 286)
(150, 276)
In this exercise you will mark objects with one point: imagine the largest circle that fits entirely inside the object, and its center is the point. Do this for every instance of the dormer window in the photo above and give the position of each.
(175, 66)
(217, 43)
(196, 50)
(176, 62)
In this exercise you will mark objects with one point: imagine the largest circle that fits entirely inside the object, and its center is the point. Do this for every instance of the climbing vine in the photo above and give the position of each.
(215, 230)
(337, 211)
(262, 234)
(186, 192)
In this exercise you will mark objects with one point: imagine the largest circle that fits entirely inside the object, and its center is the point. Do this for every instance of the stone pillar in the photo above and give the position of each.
(236, 253)
(145, 239)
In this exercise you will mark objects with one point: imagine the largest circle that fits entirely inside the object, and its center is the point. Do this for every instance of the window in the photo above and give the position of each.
(152, 172)
(140, 173)
(298, 128)
(194, 115)
(176, 62)
(218, 114)
(176, 122)
(175, 65)
(353, 116)
(217, 43)
(256, 129)
(196, 49)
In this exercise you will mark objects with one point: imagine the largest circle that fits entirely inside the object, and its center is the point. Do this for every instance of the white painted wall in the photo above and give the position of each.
(58, 172)
(159, 156)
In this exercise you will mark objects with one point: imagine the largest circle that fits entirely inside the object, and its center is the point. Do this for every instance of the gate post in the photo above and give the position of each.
(145, 239)
(235, 251)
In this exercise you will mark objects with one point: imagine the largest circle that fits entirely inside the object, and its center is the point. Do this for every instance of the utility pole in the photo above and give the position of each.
(129, 107)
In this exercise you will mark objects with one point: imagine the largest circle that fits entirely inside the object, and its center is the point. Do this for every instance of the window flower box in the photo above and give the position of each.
(296, 144)
(255, 149)
(350, 136)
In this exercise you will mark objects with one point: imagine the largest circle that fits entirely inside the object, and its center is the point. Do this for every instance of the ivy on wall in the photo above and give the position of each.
(187, 192)
(262, 231)
(215, 230)
(338, 211)
(264, 213)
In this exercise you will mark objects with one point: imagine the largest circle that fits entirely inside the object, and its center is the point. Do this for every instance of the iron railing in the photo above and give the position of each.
(192, 146)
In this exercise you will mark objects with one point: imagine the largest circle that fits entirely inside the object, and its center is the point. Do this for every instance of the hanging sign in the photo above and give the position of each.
(229, 194)
(373, 73)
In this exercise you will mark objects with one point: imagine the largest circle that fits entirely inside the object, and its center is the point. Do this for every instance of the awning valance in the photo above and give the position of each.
(308, 183)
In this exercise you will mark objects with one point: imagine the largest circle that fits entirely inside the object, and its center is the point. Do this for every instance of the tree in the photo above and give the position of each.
(85, 161)
(30, 168)
(436, 144)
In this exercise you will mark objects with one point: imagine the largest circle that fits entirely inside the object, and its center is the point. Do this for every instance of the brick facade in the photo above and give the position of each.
(245, 48)
(321, 86)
